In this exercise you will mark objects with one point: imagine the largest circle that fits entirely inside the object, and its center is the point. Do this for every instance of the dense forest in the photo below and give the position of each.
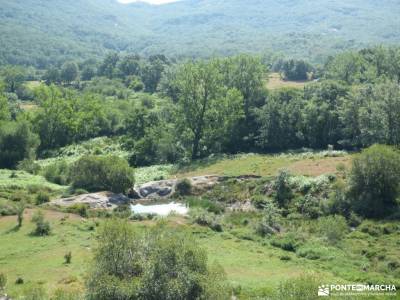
(169, 112)
(41, 33)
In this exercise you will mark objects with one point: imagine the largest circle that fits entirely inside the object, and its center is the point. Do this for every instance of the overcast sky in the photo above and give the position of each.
(156, 2)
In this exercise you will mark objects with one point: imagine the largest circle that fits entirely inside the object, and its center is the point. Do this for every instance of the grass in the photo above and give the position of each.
(251, 263)
(96, 146)
(307, 163)
(23, 180)
(40, 260)
(276, 82)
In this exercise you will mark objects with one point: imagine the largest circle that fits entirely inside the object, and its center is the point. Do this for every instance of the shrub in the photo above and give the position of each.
(3, 281)
(259, 201)
(204, 218)
(334, 228)
(304, 287)
(57, 173)
(184, 187)
(285, 257)
(209, 205)
(269, 223)
(42, 197)
(20, 208)
(42, 227)
(19, 280)
(102, 173)
(309, 253)
(6, 209)
(154, 264)
(17, 142)
(283, 191)
(339, 202)
(68, 257)
(309, 206)
(354, 220)
(370, 228)
(30, 166)
(374, 181)
(79, 209)
(123, 211)
(286, 242)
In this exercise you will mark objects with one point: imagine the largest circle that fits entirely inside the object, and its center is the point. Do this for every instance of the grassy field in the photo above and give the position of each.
(23, 180)
(252, 265)
(307, 163)
(276, 82)
(255, 265)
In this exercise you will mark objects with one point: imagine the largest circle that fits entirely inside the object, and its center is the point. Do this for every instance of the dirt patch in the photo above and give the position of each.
(319, 167)
(276, 82)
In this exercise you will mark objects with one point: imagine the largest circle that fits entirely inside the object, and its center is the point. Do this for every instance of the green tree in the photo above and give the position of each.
(20, 208)
(108, 67)
(14, 77)
(4, 108)
(151, 264)
(52, 76)
(17, 142)
(207, 110)
(69, 72)
(98, 173)
(374, 181)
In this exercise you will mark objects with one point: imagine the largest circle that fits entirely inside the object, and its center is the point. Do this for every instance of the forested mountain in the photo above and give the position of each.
(46, 32)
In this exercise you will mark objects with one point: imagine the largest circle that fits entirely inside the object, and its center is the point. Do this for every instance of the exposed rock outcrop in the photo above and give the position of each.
(101, 200)
(149, 191)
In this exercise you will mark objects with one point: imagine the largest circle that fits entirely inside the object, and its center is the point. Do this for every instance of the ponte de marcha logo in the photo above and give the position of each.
(356, 290)
(323, 290)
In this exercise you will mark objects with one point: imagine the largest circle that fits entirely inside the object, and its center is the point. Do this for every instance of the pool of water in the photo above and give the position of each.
(160, 209)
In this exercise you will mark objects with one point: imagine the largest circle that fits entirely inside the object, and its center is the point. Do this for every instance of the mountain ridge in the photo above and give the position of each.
(61, 30)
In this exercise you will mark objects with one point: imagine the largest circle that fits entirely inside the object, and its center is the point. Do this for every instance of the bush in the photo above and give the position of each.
(374, 181)
(209, 205)
(334, 228)
(286, 242)
(42, 197)
(269, 223)
(17, 142)
(57, 173)
(309, 253)
(109, 173)
(309, 206)
(30, 166)
(68, 257)
(204, 218)
(19, 280)
(20, 208)
(184, 187)
(259, 201)
(283, 191)
(304, 287)
(339, 202)
(3, 282)
(79, 209)
(152, 264)
(42, 227)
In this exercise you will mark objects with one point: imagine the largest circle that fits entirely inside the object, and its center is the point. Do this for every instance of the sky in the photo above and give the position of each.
(155, 2)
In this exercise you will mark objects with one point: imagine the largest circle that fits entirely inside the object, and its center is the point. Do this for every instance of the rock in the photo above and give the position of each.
(156, 189)
(101, 200)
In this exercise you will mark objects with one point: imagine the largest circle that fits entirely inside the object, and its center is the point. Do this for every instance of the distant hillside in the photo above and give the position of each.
(40, 32)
